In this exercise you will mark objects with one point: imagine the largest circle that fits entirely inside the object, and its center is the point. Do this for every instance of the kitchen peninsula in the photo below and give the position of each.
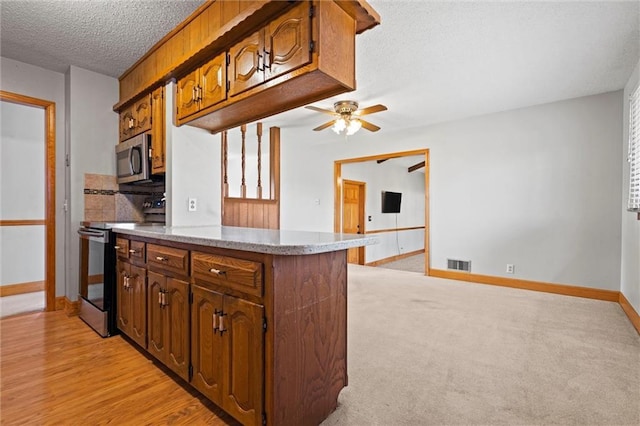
(254, 319)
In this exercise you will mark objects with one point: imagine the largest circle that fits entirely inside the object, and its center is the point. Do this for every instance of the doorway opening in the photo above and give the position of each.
(345, 211)
(41, 223)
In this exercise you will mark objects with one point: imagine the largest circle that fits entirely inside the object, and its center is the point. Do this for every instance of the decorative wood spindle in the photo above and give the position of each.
(259, 189)
(225, 154)
(243, 187)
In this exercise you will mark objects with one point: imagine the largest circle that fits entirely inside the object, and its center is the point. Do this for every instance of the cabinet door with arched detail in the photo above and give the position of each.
(243, 334)
(206, 343)
(245, 68)
(176, 305)
(213, 81)
(186, 96)
(287, 42)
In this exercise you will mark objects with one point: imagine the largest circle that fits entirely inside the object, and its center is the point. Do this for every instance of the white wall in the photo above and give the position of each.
(537, 187)
(29, 80)
(630, 264)
(92, 136)
(388, 176)
(193, 171)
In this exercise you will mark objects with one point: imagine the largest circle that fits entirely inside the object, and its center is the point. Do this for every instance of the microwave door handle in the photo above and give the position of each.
(131, 161)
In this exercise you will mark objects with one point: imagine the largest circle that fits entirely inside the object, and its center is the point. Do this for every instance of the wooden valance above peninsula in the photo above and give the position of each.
(239, 61)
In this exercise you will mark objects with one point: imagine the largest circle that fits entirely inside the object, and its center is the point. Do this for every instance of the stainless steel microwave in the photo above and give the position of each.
(133, 160)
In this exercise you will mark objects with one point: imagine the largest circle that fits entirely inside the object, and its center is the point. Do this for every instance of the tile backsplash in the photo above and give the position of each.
(105, 201)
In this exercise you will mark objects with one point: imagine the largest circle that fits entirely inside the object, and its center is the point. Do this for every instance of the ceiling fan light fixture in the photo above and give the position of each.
(354, 126)
(339, 126)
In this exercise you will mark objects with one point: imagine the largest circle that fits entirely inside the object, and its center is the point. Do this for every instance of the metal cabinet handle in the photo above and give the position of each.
(267, 54)
(222, 329)
(132, 251)
(217, 271)
(161, 259)
(164, 298)
(116, 247)
(215, 320)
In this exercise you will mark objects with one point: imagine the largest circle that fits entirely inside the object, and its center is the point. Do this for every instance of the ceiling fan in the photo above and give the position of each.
(347, 117)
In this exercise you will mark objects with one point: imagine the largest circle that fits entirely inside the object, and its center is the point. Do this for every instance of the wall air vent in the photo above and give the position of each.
(459, 265)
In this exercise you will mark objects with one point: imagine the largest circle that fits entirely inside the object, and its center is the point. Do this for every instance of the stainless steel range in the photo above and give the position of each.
(97, 277)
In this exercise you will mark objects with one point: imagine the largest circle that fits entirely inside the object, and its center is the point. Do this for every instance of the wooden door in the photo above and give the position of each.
(353, 215)
(142, 115)
(157, 283)
(206, 343)
(126, 124)
(138, 290)
(186, 98)
(245, 69)
(287, 42)
(123, 298)
(243, 363)
(158, 131)
(176, 308)
(213, 81)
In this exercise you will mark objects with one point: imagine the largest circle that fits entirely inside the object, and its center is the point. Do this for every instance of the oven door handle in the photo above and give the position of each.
(101, 237)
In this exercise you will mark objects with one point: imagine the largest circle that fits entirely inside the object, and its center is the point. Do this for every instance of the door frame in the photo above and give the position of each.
(337, 191)
(49, 108)
(362, 199)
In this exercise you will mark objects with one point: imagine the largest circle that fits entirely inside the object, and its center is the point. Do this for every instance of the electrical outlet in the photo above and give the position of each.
(193, 204)
(510, 268)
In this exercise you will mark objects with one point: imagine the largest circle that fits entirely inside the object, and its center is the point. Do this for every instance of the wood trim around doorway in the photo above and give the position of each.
(50, 188)
(337, 193)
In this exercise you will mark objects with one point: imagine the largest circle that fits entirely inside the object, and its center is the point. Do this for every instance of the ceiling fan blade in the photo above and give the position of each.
(371, 110)
(369, 126)
(324, 126)
(324, 111)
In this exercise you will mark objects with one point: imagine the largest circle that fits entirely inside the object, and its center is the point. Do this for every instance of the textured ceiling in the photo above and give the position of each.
(428, 62)
(105, 36)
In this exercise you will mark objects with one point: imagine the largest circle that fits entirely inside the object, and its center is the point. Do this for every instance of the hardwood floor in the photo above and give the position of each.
(56, 370)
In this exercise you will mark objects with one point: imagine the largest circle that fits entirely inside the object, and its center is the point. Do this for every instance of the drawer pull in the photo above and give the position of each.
(215, 320)
(132, 251)
(217, 271)
(117, 247)
(161, 259)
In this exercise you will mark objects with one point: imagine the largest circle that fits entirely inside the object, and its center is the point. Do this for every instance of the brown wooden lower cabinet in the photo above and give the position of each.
(262, 336)
(168, 322)
(227, 346)
(131, 301)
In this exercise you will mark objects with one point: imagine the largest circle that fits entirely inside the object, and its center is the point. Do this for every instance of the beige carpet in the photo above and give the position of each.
(429, 351)
(410, 264)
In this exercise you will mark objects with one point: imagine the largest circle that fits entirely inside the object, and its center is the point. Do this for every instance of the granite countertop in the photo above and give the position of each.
(249, 239)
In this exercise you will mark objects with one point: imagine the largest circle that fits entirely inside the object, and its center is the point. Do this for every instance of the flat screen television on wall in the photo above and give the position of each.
(391, 202)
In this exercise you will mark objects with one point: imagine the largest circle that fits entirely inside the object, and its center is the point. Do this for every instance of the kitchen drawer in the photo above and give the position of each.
(136, 251)
(238, 274)
(122, 248)
(168, 258)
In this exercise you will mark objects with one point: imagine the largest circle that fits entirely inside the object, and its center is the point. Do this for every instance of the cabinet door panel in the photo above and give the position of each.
(142, 115)
(177, 326)
(287, 42)
(244, 70)
(126, 124)
(155, 317)
(138, 292)
(243, 359)
(157, 131)
(213, 81)
(206, 344)
(124, 299)
(186, 99)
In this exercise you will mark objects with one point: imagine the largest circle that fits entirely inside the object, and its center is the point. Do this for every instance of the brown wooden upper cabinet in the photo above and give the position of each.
(281, 46)
(158, 164)
(136, 118)
(203, 87)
